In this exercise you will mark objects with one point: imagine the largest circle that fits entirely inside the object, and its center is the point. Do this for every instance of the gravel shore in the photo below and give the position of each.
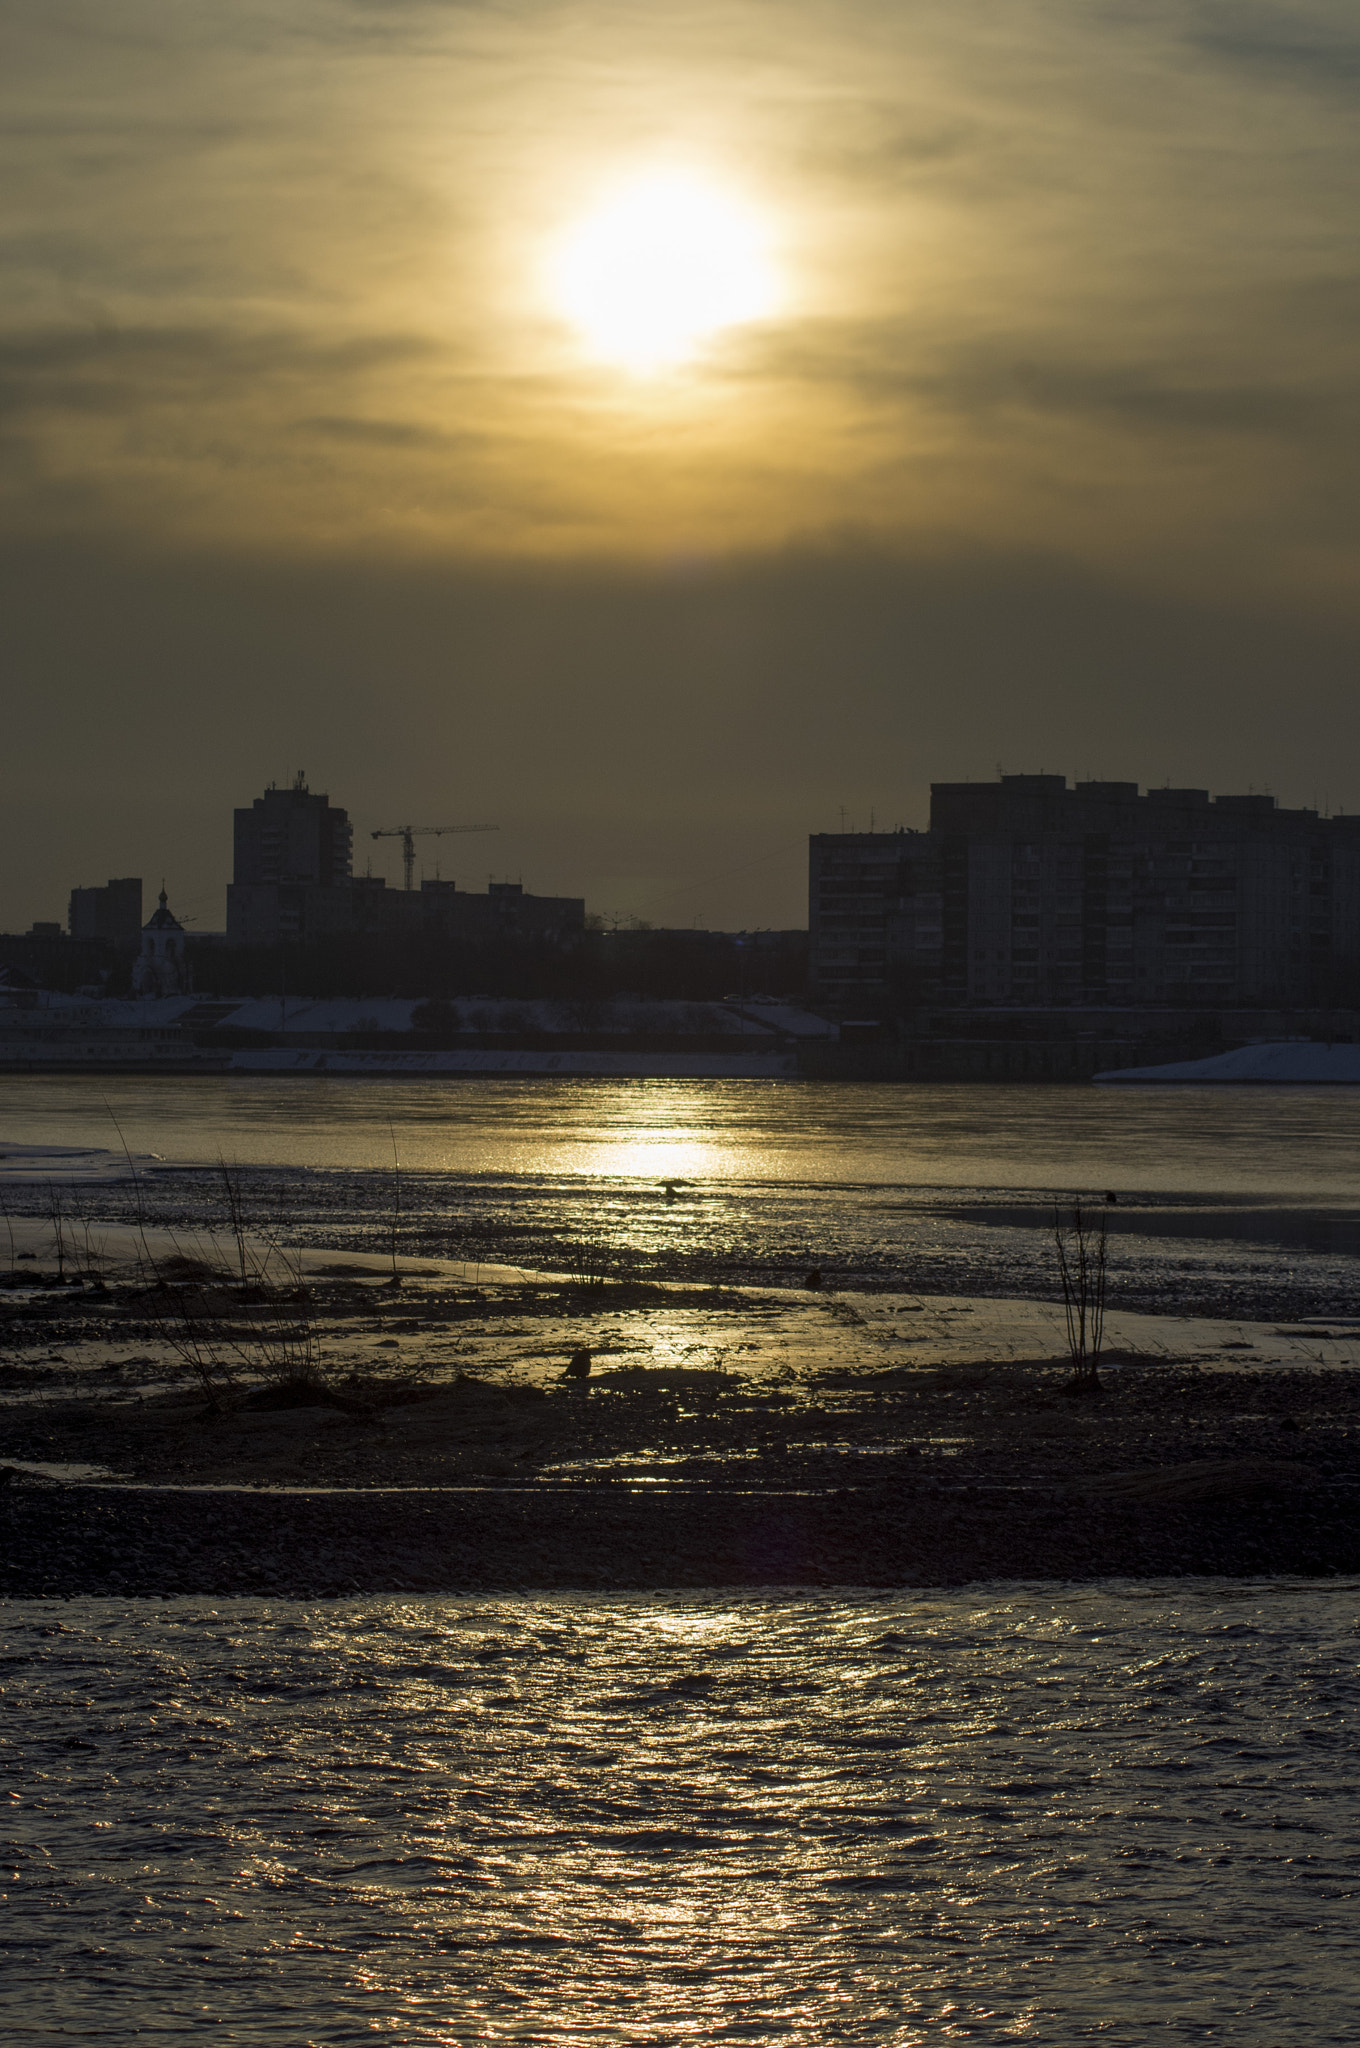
(69, 1540)
(714, 1436)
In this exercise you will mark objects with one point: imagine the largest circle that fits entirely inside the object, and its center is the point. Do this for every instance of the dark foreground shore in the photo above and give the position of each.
(347, 1435)
(75, 1540)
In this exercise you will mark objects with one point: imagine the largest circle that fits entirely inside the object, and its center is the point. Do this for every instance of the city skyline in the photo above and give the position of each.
(197, 912)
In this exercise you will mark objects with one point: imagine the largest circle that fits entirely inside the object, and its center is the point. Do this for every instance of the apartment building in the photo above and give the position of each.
(1023, 891)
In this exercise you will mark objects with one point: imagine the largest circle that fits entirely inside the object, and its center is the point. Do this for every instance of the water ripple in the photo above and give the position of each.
(1034, 1815)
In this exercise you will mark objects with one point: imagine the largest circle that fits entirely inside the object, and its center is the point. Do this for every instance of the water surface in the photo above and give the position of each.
(1244, 1141)
(1237, 1203)
(1039, 1815)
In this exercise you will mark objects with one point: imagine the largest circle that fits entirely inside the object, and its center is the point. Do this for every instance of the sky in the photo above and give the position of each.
(1035, 448)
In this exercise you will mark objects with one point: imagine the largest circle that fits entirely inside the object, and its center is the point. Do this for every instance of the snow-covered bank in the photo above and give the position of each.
(1290, 1065)
(616, 1066)
(759, 1019)
(358, 1036)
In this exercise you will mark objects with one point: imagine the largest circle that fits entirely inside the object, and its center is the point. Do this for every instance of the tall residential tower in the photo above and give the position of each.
(1026, 892)
(288, 841)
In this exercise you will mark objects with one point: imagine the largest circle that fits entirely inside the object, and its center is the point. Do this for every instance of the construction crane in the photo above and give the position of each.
(408, 835)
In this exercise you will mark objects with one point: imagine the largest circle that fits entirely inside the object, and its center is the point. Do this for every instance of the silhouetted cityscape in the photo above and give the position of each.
(1031, 930)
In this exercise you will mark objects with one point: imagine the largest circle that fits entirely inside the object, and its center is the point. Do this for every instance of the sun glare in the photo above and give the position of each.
(660, 268)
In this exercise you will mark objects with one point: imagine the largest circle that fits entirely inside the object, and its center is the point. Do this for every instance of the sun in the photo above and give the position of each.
(661, 267)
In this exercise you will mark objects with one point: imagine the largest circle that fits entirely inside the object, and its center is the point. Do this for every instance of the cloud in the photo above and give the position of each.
(382, 433)
(1308, 46)
(1070, 280)
(113, 368)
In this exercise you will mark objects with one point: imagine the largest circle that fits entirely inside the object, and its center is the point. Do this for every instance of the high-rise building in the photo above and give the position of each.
(293, 885)
(288, 840)
(112, 914)
(1024, 891)
(292, 835)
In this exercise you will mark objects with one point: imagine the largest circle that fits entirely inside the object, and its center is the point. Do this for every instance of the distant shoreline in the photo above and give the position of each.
(286, 1064)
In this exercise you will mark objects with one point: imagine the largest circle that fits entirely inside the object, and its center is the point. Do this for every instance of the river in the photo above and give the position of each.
(1040, 1814)
(1231, 1202)
(1301, 1142)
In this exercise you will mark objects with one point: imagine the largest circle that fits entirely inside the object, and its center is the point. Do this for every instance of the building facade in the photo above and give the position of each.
(287, 841)
(860, 884)
(111, 915)
(1026, 892)
(299, 913)
(506, 910)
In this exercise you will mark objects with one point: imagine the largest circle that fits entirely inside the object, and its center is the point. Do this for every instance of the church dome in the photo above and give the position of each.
(163, 919)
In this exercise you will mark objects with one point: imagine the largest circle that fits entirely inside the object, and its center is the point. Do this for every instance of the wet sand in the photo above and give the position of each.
(724, 1435)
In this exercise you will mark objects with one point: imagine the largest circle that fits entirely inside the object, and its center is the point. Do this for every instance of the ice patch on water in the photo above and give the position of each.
(56, 1468)
(21, 1161)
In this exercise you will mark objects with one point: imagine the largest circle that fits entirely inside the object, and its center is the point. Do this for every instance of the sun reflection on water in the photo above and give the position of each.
(809, 1134)
(677, 1816)
(659, 1159)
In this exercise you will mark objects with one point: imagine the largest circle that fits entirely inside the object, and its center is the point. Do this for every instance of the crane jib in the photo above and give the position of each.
(408, 835)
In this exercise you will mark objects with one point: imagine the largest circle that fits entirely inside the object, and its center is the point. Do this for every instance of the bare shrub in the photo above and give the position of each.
(262, 1329)
(190, 1330)
(1080, 1240)
(94, 1249)
(590, 1267)
(273, 1335)
(56, 1211)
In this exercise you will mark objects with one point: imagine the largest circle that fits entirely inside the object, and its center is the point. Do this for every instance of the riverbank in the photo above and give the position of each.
(437, 1440)
(67, 1541)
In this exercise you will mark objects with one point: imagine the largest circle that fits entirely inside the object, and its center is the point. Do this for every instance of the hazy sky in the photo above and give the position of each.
(1041, 456)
